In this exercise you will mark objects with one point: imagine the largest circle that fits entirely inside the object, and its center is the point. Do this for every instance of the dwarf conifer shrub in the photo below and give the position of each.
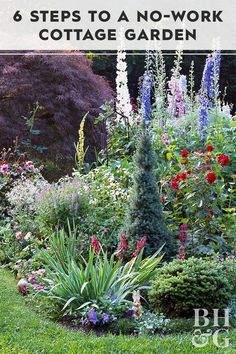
(184, 285)
(144, 215)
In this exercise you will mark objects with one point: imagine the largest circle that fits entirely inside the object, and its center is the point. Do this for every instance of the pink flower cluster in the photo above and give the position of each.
(176, 100)
(4, 169)
(95, 244)
(139, 246)
(183, 238)
(32, 280)
(122, 247)
(20, 236)
(10, 169)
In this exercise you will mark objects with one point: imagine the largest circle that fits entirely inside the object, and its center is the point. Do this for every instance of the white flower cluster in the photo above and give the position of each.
(22, 197)
(123, 105)
(226, 110)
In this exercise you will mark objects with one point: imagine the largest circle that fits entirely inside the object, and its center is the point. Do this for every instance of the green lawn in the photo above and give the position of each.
(23, 331)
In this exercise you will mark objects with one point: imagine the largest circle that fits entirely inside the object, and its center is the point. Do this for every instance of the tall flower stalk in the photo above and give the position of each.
(211, 77)
(191, 87)
(203, 114)
(209, 93)
(145, 96)
(123, 105)
(176, 96)
(160, 96)
(177, 89)
(216, 76)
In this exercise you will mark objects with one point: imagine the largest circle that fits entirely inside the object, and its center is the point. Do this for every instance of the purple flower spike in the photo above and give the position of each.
(146, 96)
(211, 76)
(203, 114)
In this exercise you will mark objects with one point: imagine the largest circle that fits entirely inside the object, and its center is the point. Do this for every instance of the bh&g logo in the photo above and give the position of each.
(201, 337)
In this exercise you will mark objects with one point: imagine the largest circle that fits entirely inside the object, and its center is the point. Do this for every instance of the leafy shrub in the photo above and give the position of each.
(229, 264)
(201, 192)
(7, 247)
(18, 250)
(66, 200)
(232, 308)
(182, 286)
(106, 208)
(125, 326)
(150, 323)
(180, 325)
(208, 208)
(147, 324)
(99, 284)
(187, 325)
(22, 199)
(12, 168)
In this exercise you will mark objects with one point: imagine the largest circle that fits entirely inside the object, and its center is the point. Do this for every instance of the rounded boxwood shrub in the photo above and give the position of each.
(184, 285)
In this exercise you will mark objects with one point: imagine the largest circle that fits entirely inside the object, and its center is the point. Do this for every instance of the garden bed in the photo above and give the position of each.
(125, 253)
(24, 331)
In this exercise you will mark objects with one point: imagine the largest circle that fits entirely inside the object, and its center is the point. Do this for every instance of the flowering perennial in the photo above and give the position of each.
(176, 97)
(146, 95)
(223, 160)
(211, 177)
(209, 89)
(203, 114)
(96, 247)
(139, 246)
(123, 245)
(123, 103)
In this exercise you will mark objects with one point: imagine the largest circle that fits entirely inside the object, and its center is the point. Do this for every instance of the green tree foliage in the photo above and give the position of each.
(144, 214)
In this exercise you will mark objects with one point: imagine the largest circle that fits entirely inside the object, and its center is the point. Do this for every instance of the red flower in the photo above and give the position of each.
(209, 148)
(210, 211)
(184, 227)
(182, 252)
(95, 245)
(182, 176)
(139, 246)
(163, 199)
(175, 184)
(208, 168)
(223, 160)
(123, 245)
(211, 177)
(189, 172)
(184, 153)
(183, 235)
